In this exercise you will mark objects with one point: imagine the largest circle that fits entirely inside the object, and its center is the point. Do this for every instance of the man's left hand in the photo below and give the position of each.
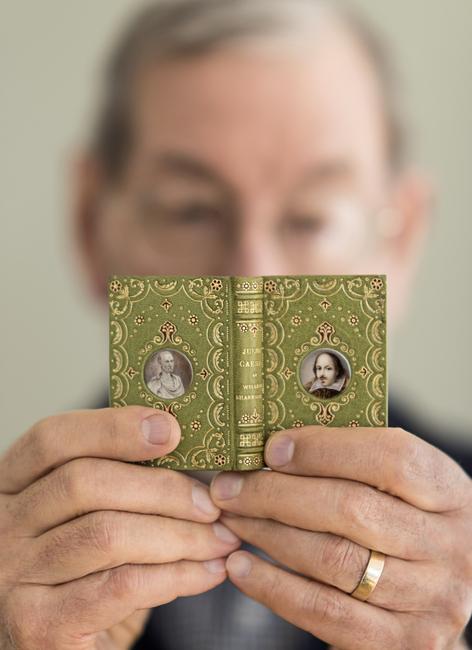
(335, 494)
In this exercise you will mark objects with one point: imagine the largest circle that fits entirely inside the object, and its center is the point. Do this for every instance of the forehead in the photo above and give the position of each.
(325, 358)
(263, 114)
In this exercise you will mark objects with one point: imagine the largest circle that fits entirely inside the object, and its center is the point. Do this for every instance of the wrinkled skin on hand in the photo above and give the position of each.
(333, 495)
(89, 541)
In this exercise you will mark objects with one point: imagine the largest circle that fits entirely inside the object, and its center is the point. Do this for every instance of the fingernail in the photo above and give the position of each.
(239, 565)
(215, 566)
(227, 486)
(201, 499)
(156, 429)
(280, 450)
(225, 534)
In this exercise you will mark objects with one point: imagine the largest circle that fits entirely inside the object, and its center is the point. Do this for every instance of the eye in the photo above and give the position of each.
(196, 214)
(192, 213)
(303, 225)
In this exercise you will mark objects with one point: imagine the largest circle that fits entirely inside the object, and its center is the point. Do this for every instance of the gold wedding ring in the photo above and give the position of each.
(370, 577)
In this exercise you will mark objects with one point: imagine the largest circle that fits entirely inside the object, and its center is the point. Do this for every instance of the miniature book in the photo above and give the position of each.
(238, 358)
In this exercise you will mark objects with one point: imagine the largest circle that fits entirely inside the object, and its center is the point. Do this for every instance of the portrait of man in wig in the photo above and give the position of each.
(329, 376)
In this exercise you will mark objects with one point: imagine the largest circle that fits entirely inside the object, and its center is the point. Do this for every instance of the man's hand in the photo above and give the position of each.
(87, 540)
(335, 494)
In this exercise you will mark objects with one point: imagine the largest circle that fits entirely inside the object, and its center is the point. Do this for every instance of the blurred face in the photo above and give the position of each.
(167, 362)
(325, 370)
(253, 161)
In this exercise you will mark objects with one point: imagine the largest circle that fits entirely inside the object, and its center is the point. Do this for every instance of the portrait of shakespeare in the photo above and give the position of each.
(329, 376)
(166, 383)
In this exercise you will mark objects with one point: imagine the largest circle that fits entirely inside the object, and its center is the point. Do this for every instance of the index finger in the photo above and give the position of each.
(130, 433)
(389, 459)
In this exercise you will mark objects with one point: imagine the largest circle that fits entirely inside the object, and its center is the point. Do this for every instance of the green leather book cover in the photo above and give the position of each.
(235, 359)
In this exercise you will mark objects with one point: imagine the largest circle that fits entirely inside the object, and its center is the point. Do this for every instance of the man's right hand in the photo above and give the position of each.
(87, 540)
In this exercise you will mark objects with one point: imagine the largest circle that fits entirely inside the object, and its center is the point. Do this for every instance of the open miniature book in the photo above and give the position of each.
(235, 358)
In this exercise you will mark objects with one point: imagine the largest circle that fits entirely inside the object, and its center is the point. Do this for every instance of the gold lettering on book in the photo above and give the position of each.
(246, 397)
(248, 364)
(251, 351)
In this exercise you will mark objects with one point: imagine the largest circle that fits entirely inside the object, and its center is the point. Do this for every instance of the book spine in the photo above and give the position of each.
(248, 384)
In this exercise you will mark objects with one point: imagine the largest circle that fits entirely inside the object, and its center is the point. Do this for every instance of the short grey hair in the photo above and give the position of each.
(171, 29)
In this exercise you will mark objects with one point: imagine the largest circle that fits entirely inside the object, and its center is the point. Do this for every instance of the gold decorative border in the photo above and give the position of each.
(214, 452)
(367, 293)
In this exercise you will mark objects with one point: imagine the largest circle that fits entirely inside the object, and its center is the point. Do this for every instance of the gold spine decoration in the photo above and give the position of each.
(248, 390)
(250, 461)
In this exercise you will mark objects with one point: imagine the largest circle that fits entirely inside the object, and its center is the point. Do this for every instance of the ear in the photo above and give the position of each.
(87, 192)
(405, 229)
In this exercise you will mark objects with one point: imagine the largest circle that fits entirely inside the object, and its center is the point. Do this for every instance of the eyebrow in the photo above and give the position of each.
(189, 167)
(323, 172)
(329, 171)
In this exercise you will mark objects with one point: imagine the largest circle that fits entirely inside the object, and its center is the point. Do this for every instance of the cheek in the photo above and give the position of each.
(124, 250)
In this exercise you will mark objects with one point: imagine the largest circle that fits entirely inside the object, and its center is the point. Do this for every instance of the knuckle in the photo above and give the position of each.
(95, 534)
(429, 638)
(457, 605)
(417, 466)
(360, 507)
(175, 578)
(342, 558)
(79, 482)
(41, 436)
(69, 480)
(413, 461)
(322, 605)
(122, 581)
(325, 606)
(46, 437)
(401, 450)
(101, 531)
(192, 540)
(460, 615)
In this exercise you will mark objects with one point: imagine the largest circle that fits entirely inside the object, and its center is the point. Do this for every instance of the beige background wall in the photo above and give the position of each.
(54, 342)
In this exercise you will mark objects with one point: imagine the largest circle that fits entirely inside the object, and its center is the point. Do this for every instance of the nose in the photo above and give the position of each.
(254, 249)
